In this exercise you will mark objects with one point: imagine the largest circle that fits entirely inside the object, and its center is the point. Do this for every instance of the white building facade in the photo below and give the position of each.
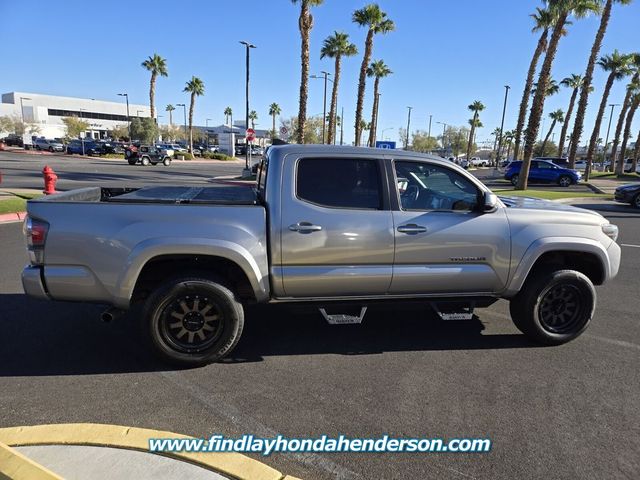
(47, 112)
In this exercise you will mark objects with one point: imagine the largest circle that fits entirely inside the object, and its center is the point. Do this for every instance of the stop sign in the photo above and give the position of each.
(251, 134)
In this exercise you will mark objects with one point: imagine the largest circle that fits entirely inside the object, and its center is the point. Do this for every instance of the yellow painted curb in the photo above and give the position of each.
(234, 464)
(15, 466)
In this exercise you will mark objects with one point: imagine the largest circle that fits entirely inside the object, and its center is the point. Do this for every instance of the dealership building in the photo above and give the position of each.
(48, 111)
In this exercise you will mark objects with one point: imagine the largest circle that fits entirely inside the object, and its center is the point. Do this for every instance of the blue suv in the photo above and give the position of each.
(542, 171)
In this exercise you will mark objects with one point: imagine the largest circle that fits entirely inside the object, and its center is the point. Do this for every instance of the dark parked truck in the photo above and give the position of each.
(334, 227)
(147, 155)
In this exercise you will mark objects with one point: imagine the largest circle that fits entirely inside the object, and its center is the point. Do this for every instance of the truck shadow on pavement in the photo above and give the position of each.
(40, 338)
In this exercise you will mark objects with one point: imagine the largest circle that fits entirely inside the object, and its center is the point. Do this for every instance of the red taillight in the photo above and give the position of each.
(36, 233)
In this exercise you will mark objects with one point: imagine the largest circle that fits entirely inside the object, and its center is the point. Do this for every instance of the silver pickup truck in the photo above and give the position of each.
(337, 227)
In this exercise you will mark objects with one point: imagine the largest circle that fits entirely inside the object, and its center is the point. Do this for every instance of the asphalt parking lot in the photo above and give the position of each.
(20, 170)
(558, 412)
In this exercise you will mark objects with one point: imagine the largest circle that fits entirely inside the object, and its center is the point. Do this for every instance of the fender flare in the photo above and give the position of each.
(149, 249)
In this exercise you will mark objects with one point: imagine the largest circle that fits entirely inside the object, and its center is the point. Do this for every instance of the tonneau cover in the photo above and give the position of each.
(218, 194)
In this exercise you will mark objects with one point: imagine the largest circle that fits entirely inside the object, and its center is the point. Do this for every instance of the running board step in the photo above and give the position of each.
(343, 318)
(454, 310)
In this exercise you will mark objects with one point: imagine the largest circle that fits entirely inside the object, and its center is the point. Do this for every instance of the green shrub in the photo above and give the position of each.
(216, 156)
(185, 155)
(114, 155)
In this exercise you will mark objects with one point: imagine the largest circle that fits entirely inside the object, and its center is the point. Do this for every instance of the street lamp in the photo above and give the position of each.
(444, 131)
(430, 118)
(384, 130)
(248, 46)
(82, 133)
(138, 113)
(126, 95)
(341, 126)
(606, 142)
(406, 147)
(324, 101)
(504, 110)
(184, 111)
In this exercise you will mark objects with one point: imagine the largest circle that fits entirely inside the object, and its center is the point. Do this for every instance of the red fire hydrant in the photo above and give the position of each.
(50, 179)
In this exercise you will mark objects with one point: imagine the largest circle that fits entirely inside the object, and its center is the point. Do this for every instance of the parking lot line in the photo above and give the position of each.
(629, 245)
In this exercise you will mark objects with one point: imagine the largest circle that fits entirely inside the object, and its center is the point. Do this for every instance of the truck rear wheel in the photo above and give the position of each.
(193, 320)
(554, 307)
(132, 161)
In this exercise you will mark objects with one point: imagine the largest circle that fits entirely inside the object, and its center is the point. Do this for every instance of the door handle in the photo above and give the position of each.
(412, 229)
(304, 227)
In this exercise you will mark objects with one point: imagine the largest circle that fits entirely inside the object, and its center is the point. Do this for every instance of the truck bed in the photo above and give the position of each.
(210, 195)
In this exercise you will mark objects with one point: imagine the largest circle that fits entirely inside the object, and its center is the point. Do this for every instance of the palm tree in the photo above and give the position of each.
(617, 65)
(508, 138)
(377, 69)
(634, 66)
(562, 9)
(228, 113)
(195, 87)
(364, 125)
(253, 116)
(556, 117)
(305, 24)
(475, 124)
(636, 154)
(635, 102)
(588, 78)
(274, 109)
(157, 66)
(336, 46)
(377, 22)
(495, 134)
(170, 108)
(552, 88)
(543, 20)
(573, 81)
(476, 107)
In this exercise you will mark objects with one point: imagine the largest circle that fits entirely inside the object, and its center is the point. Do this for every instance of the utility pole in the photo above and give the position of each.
(247, 170)
(406, 147)
(504, 110)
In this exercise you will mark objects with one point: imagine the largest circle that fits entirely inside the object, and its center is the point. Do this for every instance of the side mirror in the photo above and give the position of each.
(490, 202)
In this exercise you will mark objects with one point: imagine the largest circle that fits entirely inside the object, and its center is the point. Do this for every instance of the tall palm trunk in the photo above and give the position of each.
(374, 113)
(627, 128)
(546, 138)
(538, 100)
(593, 142)
(366, 58)
(524, 103)
(471, 134)
(152, 95)
(273, 124)
(170, 118)
(191, 108)
(334, 101)
(565, 125)
(616, 138)
(586, 83)
(304, 23)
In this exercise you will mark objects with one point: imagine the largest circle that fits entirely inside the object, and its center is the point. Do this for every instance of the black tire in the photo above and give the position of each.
(145, 161)
(51, 149)
(554, 307)
(166, 162)
(514, 179)
(636, 201)
(37, 147)
(132, 161)
(174, 338)
(565, 181)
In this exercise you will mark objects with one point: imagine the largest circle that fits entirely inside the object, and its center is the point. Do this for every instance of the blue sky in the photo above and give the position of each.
(444, 55)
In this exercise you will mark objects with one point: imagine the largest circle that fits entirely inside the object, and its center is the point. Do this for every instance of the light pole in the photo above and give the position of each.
(248, 46)
(444, 131)
(606, 142)
(138, 113)
(324, 101)
(184, 111)
(126, 96)
(384, 130)
(430, 118)
(504, 110)
(341, 126)
(406, 147)
(82, 133)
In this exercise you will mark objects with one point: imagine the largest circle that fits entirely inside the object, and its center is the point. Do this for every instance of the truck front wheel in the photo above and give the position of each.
(193, 320)
(554, 307)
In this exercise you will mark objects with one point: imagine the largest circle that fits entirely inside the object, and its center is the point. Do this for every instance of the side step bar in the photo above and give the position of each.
(343, 318)
(446, 310)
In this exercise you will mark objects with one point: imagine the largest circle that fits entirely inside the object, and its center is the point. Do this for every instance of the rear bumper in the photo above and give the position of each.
(32, 282)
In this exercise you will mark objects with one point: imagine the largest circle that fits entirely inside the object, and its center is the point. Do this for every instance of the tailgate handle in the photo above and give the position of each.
(412, 229)
(304, 227)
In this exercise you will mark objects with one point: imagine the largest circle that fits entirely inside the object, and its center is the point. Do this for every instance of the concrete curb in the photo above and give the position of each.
(236, 465)
(594, 189)
(14, 465)
(12, 217)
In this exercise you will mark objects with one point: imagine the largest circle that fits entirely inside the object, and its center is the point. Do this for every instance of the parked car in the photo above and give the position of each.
(560, 161)
(543, 172)
(146, 154)
(214, 148)
(479, 162)
(13, 140)
(46, 144)
(628, 194)
(336, 227)
(84, 147)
